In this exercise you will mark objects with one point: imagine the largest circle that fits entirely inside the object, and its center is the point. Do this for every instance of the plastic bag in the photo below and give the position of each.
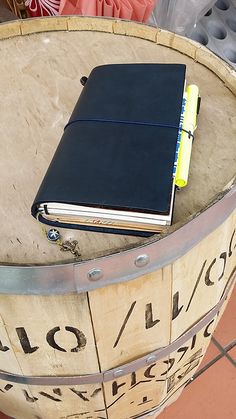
(138, 10)
(180, 16)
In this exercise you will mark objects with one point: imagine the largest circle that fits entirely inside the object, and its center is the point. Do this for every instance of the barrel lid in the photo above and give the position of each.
(40, 84)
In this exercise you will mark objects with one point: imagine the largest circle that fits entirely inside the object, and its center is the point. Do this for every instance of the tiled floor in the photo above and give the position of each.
(212, 393)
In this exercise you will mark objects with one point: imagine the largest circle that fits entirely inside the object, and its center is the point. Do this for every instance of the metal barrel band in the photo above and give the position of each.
(130, 367)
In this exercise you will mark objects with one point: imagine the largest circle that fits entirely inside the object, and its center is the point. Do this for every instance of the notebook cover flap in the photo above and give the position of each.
(116, 163)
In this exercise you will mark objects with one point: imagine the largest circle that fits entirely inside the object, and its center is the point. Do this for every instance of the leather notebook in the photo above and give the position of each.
(113, 168)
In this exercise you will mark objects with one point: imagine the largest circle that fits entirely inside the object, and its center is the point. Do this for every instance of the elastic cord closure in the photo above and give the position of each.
(124, 122)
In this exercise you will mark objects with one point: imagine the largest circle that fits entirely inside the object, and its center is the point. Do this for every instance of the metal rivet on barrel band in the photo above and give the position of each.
(151, 359)
(95, 274)
(141, 260)
(118, 373)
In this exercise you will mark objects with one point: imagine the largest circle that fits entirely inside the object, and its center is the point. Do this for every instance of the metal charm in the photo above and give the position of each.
(53, 235)
(70, 246)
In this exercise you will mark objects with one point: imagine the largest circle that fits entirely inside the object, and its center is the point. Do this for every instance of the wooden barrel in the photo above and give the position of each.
(107, 326)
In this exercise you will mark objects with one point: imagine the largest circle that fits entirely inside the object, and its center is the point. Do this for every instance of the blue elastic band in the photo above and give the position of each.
(116, 121)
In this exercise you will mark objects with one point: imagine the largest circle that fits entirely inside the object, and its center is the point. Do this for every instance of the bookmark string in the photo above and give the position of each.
(124, 122)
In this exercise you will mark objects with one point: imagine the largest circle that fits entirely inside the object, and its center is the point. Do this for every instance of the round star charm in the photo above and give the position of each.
(53, 235)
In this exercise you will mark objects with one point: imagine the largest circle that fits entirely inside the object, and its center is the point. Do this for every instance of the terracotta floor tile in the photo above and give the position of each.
(210, 396)
(226, 329)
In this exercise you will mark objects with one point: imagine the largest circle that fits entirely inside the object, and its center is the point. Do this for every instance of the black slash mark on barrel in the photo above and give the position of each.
(184, 350)
(6, 388)
(51, 339)
(230, 244)
(57, 391)
(24, 341)
(176, 309)
(80, 394)
(81, 339)
(28, 398)
(124, 324)
(49, 396)
(224, 257)
(149, 322)
(116, 386)
(208, 281)
(133, 378)
(170, 361)
(193, 342)
(206, 333)
(196, 285)
(96, 391)
(3, 348)
(147, 373)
